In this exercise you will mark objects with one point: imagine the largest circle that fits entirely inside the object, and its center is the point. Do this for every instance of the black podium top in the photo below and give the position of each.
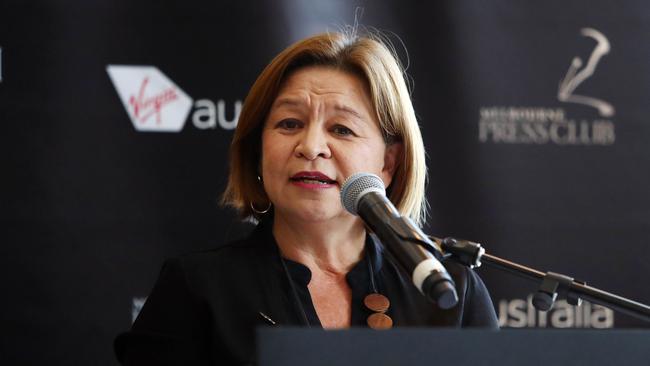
(420, 346)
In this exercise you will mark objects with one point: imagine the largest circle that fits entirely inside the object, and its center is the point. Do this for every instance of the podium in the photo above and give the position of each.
(428, 346)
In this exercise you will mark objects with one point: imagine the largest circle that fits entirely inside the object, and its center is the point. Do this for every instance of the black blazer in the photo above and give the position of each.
(204, 307)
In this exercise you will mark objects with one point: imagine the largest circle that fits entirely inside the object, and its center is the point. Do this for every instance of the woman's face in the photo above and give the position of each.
(320, 130)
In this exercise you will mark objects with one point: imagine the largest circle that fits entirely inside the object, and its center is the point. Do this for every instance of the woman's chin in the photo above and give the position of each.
(315, 214)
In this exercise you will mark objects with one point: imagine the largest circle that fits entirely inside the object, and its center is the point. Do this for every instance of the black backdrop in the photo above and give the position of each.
(519, 159)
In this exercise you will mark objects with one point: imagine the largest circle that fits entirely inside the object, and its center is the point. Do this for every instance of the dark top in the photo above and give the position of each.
(204, 308)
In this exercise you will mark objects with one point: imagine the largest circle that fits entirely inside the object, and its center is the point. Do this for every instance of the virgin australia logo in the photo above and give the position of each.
(574, 78)
(155, 104)
(552, 125)
(153, 101)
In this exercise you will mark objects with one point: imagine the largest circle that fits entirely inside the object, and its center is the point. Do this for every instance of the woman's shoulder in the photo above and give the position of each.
(229, 254)
(466, 278)
(459, 271)
(231, 250)
(478, 309)
(234, 258)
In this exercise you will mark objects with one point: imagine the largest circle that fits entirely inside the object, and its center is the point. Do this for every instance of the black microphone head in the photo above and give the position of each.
(356, 186)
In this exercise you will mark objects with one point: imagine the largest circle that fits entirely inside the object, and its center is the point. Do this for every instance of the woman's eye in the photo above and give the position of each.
(342, 131)
(289, 124)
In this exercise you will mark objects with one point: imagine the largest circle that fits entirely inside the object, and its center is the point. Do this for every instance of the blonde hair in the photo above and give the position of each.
(368, 57)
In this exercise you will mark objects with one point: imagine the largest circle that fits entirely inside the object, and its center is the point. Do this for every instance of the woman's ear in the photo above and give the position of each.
(392, 158)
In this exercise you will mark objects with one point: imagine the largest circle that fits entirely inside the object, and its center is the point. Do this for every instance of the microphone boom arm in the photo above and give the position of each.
(553, 284)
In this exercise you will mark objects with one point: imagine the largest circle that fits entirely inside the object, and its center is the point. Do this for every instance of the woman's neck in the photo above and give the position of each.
(333, 247)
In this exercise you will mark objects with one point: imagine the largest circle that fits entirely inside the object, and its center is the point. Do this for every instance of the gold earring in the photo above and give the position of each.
(263, 211)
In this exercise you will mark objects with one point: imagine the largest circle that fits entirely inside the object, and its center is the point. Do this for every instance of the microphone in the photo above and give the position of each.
(364, 195)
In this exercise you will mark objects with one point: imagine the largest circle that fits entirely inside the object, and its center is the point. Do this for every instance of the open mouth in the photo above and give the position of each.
(308, 180)
(312, 178)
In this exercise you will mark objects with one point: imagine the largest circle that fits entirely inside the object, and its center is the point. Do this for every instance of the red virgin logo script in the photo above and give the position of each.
(144, 92)
(144, 107)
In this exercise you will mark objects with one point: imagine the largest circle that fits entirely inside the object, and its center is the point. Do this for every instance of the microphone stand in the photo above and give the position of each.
(553, 285)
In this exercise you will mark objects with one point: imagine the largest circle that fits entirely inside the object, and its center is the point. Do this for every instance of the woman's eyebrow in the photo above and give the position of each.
(348, 110)
(291, 102)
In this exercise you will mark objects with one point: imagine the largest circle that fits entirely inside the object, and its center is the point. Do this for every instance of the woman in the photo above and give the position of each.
(325, 108)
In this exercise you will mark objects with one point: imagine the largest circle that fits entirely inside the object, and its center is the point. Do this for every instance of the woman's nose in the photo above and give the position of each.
(313, 144)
